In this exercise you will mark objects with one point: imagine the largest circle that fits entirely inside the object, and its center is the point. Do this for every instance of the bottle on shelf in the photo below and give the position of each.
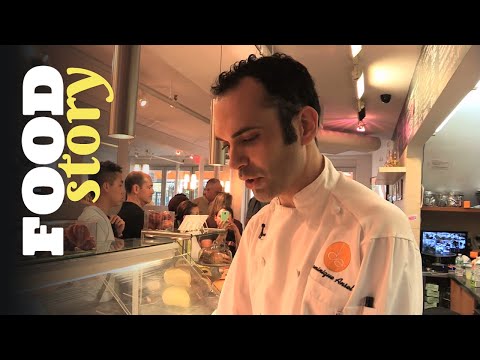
(459, 265)
(475, 280)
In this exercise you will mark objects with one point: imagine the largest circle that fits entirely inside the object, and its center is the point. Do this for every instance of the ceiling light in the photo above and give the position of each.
(143, 102)
(361, 126)
(360, 86)
(125, 69)
(218, 155)
(355, 50)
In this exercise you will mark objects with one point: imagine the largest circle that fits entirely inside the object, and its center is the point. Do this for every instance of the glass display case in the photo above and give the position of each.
(159, 275)
(173, 284)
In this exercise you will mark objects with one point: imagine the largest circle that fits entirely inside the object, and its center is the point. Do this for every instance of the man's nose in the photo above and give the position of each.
(237, 158)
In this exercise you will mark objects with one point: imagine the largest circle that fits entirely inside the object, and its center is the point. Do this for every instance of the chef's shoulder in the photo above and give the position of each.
(377, 216)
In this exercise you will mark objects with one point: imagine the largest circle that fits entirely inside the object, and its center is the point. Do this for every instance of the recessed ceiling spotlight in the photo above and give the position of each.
(143, 102)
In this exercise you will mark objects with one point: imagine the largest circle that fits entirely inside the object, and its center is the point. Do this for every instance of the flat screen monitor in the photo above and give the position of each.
(443, 243)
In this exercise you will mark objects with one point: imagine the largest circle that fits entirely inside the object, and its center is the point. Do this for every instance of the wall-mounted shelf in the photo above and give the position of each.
(450, 209)
(389, 175)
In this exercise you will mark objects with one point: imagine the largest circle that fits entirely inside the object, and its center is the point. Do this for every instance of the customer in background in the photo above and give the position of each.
(324, 244)
(175, 201)
(233, 235)
(254, 206)
(139, 187)
(185, 208)
(112, 193)
(88, 199)
(212, 188)
(222, 200)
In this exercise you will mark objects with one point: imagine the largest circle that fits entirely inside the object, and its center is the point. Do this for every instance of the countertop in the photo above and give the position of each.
(462, 281)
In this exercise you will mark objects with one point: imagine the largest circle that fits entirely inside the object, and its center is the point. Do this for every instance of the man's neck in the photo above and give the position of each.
(103, 204)
(134, 199)
(313, 168)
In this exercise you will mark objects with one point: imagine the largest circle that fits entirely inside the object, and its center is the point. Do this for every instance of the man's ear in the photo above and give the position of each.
(308, 125)
(135, 189)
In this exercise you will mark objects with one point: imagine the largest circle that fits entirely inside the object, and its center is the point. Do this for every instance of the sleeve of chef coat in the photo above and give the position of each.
(235, 295)
(391, 272)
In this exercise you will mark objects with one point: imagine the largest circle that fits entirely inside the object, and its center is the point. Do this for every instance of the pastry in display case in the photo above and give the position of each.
(158, 277)
(79, 239)
(159, 220)
(174, 285)
(216, 255)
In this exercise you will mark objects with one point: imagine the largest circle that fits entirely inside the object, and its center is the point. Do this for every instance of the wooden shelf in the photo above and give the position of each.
(389, 175)
(450, 209)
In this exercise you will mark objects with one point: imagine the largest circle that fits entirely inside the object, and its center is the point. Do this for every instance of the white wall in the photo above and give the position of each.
(452, 156)
(379, 157)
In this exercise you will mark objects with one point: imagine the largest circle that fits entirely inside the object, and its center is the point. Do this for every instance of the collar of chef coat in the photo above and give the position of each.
(314, 196)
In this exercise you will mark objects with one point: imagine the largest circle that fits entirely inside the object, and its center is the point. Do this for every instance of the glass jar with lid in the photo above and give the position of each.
(429, 198)
(216, 255)
(455, 198)
(442, 199)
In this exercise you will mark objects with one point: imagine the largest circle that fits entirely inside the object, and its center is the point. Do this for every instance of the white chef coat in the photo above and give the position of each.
(340, 244)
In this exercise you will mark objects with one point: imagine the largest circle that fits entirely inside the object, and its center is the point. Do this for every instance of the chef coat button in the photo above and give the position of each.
(263, 261)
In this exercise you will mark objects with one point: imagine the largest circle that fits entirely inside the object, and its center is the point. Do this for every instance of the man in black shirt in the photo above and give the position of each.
(254, 206)
(139, 189)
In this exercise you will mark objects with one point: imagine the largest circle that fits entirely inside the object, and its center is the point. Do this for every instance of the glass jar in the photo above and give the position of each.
(216, 255)
(429, 198)
(442, 199)
(455, 199)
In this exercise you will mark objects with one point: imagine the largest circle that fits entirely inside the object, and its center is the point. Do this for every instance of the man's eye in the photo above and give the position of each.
(252, 138)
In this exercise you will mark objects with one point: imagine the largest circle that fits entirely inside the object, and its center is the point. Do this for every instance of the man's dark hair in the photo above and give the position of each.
(175, 201)
(288, 84)
(108, 172)
(213, 181)
(134, 178)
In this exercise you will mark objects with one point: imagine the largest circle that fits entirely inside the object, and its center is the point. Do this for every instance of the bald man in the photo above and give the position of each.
(139, 189)
(211, 190)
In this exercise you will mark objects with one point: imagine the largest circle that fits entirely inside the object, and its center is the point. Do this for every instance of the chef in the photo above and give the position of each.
(325, 244)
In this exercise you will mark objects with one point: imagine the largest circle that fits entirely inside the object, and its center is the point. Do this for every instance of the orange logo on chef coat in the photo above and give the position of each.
(337, 256)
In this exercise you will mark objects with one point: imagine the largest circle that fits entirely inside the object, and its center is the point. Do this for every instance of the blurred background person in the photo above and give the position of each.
(175, 201)
(254, 206)
(212, 188)
(185, 208)
(139, 187)
(222, 200)
(112, 193)
(88, 199)
(233, 235)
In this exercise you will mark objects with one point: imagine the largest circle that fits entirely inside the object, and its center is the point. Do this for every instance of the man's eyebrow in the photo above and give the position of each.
(241, 131)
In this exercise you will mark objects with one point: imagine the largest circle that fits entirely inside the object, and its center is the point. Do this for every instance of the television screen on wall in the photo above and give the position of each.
(443, 243)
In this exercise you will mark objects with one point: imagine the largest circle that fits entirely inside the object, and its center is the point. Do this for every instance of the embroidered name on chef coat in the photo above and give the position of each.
(336, 258)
